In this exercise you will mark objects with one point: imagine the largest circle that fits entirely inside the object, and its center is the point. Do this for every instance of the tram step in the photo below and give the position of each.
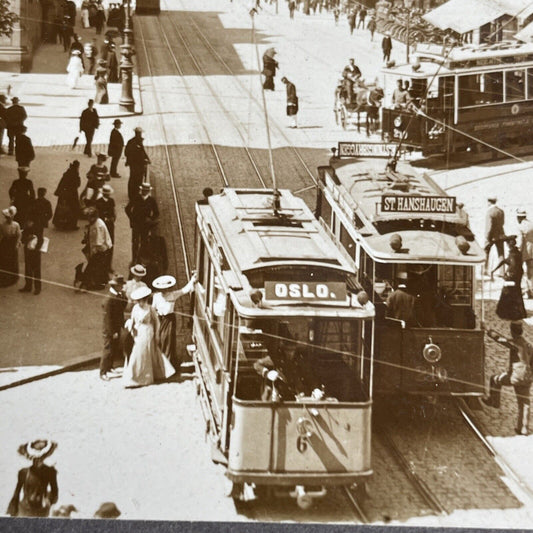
(217, 456)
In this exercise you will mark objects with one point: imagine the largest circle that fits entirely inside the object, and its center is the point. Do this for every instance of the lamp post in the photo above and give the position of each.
(127, 103)
(408, 4)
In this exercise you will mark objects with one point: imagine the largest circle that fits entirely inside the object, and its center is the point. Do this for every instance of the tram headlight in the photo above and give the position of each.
(432, 353)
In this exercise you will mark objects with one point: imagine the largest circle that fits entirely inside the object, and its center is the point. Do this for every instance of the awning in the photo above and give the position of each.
(465, 15)
(525, 34)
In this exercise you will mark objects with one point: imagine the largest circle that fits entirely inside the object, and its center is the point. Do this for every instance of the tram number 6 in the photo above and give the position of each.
(301, 443)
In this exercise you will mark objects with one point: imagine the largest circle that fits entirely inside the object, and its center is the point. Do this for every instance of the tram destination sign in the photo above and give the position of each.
(370, 149)
(418, 204)
(308, 291)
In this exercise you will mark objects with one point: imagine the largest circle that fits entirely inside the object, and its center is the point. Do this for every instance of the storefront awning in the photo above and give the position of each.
(465, 15)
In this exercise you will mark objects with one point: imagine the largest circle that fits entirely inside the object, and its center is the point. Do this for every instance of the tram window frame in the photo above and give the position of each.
(508, 84)
(326, 212)
(347, 242)
(445, 281)
(529, 83)
(485, 79)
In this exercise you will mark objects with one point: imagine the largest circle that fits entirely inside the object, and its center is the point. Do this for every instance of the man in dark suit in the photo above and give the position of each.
(89, 122)
(143, 213)
(386, 46)
(116, 145)
(136, 159)
(15, 117)
(24, 152)
(400, 304)
(494, 232)
(22, 195)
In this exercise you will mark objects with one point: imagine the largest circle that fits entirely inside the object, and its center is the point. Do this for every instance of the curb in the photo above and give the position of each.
(80, 363)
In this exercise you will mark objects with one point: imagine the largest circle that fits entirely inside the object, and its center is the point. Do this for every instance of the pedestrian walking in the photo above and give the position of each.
(15, 117)
(105, 205)
(113, 307)
(525, 245)
(85, 14)
(494, 232)
(24, 152)
(136, 159)
(386, 46)
(91, 52)
(32, 243)
(74, 69)
(292, 102)
(10, 239)
(89, 123)
(518, 375)
(100, 83)
(70, 10)
(143, 214)
(66, 33)
(371, 26)
(76, 46)
(112, 68)
(3, 120)
(269, 69)
(351, 21)
(292, 8)
(146, 364)
(22, 195)
(96, 177)
(164, 302)
(336, 13)
(38, 483)
(97, 246)
(511, 304)
(68, 205)
(99, 19)
(115, 148)
(41, 211)
(362, 17)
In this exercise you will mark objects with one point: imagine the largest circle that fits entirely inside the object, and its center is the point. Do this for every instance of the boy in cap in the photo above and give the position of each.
(116, 145)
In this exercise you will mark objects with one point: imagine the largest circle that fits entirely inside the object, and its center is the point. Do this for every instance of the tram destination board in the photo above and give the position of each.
(309, 291)
(371, 149)
(418, 204)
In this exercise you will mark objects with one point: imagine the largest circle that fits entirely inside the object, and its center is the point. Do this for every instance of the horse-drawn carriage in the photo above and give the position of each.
(355, 97)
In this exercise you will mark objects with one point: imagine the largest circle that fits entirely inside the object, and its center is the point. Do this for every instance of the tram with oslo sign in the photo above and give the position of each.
(416, 258)
(462, 95)
(282, 347)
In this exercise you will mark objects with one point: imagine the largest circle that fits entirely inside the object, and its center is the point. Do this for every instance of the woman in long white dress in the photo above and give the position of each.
(74, 69)
(146, 364)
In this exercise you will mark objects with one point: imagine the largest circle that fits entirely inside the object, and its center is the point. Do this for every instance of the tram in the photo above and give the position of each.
(398, 225)
(485, 91)
(273, 286)
(147, 7)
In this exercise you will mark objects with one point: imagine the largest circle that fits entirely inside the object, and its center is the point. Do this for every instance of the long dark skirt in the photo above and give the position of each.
(9, 262)
(511, 305)
(168, 339)
(66, 213)
(96, 273)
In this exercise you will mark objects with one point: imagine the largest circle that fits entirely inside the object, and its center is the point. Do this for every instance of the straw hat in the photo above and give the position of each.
(138, 270)
(38, 449)
(140, 293)
(107, 189)
(9, 212)
(145, 187)
(164, 282)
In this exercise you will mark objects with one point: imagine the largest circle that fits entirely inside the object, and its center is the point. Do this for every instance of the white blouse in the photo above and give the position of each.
(164, 302)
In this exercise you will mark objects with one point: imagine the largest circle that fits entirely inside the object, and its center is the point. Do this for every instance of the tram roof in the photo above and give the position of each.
(433, 59)
(252, 236)
(362, 186)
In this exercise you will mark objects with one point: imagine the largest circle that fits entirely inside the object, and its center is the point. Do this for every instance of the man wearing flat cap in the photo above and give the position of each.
(116, 145)
(136, 159)
(525, 245)
(494, 232)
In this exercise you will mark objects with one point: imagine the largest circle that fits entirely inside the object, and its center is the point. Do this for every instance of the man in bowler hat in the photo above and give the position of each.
(116, 145)
(89, 122)
(136, 159)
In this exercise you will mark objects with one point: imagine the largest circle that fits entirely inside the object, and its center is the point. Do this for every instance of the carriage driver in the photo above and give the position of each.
(350, 75)
(286, 374)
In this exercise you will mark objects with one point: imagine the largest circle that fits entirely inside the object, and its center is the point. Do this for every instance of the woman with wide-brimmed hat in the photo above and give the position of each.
(10, 237)
(38, 482)
(146, 364)
(74, 69)
(163, 302)
(100, 82)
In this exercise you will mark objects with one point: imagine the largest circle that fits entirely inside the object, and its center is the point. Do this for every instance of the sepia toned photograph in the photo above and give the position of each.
(266, 263)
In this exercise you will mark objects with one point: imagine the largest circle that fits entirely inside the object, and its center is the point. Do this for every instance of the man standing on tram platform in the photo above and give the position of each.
(400, 304)
(525, 244)
(494, 232)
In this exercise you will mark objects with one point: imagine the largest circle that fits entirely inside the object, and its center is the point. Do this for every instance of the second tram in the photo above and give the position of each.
(282, 347)
(461, 96)
(401, 226)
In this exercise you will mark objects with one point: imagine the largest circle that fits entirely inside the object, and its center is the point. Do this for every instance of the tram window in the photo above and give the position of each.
(347, 242)
(480, 89)
(446, 92)
(456, 283)
(530, 83)
(515, 88)
(326, 212)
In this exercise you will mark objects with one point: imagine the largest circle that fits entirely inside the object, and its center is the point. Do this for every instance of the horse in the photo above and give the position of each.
(368, 99)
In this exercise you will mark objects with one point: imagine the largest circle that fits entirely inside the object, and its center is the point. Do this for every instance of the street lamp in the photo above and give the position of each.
(408, 4)
(127, 103)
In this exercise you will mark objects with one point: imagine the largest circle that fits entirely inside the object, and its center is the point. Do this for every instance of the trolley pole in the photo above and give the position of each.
(127, 103)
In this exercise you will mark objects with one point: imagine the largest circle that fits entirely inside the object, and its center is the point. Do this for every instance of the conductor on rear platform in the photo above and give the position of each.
(400, 304)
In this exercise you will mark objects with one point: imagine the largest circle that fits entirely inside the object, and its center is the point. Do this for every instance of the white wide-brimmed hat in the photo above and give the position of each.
(164, 282)
(140, 293)
(38, 449)
(10, 211)
(138, 270)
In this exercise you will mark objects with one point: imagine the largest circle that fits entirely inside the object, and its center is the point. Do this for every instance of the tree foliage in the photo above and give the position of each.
(7, 18)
